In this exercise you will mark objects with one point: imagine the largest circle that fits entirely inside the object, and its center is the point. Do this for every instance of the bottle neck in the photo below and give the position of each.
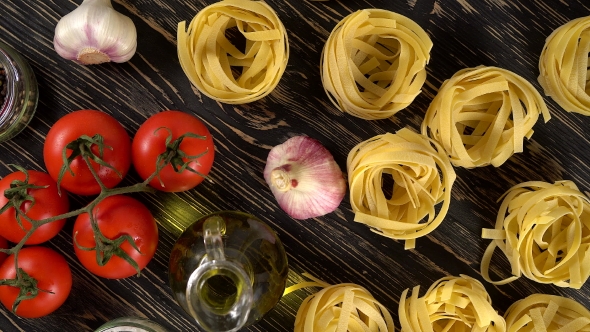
(219, 296)
(218, 292)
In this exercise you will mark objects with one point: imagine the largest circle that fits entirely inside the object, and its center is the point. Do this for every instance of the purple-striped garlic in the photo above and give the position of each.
(95, 33)
(304, 178)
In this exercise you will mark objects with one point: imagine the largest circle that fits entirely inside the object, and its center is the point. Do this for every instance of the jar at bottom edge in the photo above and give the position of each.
(131, 324)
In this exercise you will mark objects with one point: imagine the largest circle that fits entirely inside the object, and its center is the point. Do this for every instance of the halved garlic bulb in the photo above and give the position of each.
(95, 33)
(304, 178)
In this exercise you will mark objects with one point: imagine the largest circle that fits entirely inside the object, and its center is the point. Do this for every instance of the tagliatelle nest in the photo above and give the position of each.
(544, 231)
(450, 304)
(340, 308)
(422, 177)
(481, 116)
(563, 66)
(374, 63)
(542, 313)
(217, 67)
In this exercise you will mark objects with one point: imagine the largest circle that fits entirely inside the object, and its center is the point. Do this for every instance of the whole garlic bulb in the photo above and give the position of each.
(304, 178)
(95, 33)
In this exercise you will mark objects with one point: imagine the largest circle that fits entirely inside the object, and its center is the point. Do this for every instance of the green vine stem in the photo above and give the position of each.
(105, 248)
(174, 156)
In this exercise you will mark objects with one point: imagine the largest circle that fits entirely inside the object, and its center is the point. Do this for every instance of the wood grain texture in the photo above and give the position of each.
(466, 33)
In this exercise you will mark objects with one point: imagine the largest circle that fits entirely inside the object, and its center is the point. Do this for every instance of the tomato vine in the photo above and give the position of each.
(89, 149)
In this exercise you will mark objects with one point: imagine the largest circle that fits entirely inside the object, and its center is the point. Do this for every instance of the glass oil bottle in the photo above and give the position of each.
(227, 270)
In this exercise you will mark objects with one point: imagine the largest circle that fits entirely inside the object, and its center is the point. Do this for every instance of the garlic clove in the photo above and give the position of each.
(95, 33)
(304, 178)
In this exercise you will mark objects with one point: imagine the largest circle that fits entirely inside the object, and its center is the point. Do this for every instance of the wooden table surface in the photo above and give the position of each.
(465, 33)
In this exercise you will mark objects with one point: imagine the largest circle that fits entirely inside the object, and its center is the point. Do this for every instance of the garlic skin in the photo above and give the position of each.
(304, 178)
(95, 33)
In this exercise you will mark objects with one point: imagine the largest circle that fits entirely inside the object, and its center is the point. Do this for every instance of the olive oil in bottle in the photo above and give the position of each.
(227, 270)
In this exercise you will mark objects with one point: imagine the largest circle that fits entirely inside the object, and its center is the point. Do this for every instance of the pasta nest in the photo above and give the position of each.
(422, 177)
(542, 312)
(341, 308)
(544, 231)
(563, 66)
(481, 116)
(217, 67)
(450, 304)
(374, 63)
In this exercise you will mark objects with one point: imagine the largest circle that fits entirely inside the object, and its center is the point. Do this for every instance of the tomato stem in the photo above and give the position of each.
(106, 248)
(175, 157)
(82, 147)
(26, 284)
(18, 194)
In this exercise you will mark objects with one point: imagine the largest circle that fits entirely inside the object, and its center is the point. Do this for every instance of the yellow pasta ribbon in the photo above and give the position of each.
(340, 308)
(544, 231)
(547, 313)
(217, 67)
(563, 66)
(481, 116)
(451, 304)
(374, 63)
(416, 164)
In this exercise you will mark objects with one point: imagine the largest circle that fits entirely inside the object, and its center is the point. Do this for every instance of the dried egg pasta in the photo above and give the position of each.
(341, 308)
(544, 231)
(415, 166)
(481, 116)
(451, 304)
(217, 67)
(563, 66)
(547, 313)
(374, 63)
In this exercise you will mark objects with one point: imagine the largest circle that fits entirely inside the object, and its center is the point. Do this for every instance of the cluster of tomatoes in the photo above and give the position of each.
(179, 142)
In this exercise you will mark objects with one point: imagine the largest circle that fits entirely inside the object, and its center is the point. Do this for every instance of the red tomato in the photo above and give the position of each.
(117, 215)
(48, 203)
(117, 151)
(52, 273)
(150, 141)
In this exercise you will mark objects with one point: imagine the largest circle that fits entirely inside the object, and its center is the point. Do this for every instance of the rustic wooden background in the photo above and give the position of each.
(466, 33)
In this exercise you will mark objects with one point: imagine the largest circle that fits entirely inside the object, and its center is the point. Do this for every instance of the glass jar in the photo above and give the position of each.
(18, 106)
(227, 270)
(130, 324)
